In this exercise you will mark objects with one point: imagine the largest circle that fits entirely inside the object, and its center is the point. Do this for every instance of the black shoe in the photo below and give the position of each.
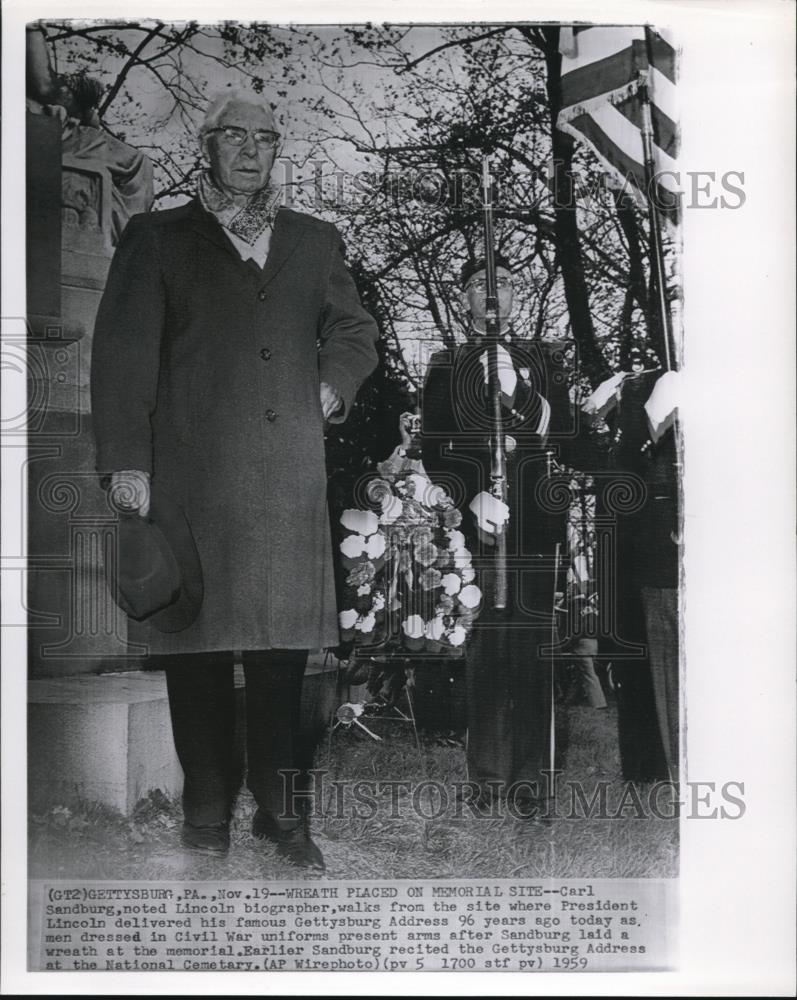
(294, 843)
(214, 838)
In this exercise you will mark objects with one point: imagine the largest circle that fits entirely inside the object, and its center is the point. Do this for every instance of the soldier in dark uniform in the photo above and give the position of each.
(509, 676)
(646, 592)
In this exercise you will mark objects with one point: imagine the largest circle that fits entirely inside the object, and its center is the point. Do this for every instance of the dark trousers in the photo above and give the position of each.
(510, 690)
(661, 620)
(202, 705)
(641, 753)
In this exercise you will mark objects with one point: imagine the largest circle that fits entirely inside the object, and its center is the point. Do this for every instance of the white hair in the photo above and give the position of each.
(222, 101)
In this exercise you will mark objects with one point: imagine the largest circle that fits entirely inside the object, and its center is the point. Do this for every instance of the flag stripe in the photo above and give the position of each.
(663, 94)
(590, 44)
(663, 56)
(620, 162)
(665, 131)
(602, 71)
(625, 135)
(581, 46)
(603, 76)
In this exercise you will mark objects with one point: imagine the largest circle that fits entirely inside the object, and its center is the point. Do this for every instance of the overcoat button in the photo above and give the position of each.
(262, 295)
(265, 354)
(271, 416)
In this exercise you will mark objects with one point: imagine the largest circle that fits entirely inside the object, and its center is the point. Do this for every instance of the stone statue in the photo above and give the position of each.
(75, 98)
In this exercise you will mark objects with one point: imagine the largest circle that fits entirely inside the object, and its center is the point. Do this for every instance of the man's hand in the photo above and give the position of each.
(409, 426)
(491, 513)
(330, 400)
(129, 491)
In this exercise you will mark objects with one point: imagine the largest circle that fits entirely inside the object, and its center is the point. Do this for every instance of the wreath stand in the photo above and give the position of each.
(357, 714)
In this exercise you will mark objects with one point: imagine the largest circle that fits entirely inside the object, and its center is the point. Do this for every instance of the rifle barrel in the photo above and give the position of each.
(498, 483)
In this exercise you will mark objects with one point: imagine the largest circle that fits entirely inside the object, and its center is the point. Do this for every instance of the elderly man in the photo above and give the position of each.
(508, 679)
(229, 331)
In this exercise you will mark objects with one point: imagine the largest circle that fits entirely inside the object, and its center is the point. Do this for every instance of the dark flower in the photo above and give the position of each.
(445, 559)
(426, 554)
(445, 604)
(421, 536)
(363, 573)
(451, 518)
(430, 579)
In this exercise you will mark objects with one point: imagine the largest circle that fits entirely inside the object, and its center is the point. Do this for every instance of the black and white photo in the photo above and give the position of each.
(367, 547)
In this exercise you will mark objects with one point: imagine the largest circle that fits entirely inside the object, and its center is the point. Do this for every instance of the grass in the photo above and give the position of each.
(388, 839)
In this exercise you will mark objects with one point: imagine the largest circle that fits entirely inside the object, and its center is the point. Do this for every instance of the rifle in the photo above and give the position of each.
(498, 483)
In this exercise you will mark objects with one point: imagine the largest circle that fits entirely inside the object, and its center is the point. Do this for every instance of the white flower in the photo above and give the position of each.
(424, 491)
(348, 618)
(392, 509)
(470, 596)
(413, 626)
(420, 484)
(375, 546)
(378, 602)
(456, 540)
(353, 546)
(462, 558)
(451, 583)
(366, 624)
(435, 628)
(457, 635)
(364, 522)
(468, 574)
(364, 590)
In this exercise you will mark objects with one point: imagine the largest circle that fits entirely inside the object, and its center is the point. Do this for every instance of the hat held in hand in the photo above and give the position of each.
(158, 575)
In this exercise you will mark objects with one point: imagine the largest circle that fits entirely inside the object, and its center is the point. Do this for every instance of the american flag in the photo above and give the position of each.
(602, 70)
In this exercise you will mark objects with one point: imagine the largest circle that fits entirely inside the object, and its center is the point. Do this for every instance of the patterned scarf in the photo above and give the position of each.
(248, 223)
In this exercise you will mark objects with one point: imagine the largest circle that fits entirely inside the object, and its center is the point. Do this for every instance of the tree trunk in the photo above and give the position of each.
(645, 293)
(568, 249)
(627, 330)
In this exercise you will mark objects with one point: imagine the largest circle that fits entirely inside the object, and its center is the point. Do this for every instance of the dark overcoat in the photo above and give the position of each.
(205, 373)
(508, 674)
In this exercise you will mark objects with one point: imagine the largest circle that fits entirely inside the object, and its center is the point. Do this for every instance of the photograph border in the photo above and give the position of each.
(737, 916)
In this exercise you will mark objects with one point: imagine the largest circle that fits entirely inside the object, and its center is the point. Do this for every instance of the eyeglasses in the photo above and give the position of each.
(501, 284)
(237, 136)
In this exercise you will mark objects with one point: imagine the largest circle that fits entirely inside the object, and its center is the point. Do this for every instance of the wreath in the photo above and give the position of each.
(409, 583)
